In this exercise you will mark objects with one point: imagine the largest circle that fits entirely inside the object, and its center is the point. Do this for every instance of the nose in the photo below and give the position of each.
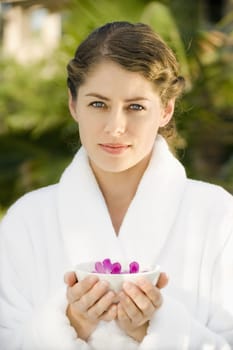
(116, 123)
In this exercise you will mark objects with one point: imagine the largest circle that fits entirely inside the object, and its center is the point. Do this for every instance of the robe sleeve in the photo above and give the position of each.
(24, 325)
(27, 323)
(116, 339)
(50, 328)
(173, 327)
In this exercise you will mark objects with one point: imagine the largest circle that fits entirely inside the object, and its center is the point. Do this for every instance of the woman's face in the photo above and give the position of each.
(119, 114)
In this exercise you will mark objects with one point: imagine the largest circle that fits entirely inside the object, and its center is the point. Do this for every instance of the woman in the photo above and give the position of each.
(124, 196)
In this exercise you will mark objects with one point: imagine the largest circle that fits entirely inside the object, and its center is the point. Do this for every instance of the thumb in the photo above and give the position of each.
(162, 281)
(70, 278)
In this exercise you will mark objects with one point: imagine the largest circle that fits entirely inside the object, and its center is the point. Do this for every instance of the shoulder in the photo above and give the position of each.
(207, 213)
(208, 198)
(208, 191)
(36, 198)
(34, 203)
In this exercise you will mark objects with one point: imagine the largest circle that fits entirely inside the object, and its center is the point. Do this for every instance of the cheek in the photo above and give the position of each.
(88, 127)
(148, 133)
(148, 128)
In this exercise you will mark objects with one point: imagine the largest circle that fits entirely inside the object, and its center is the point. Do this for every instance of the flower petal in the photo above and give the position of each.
(133, 267)
(107, 265)
(99, 267)
(116, 268)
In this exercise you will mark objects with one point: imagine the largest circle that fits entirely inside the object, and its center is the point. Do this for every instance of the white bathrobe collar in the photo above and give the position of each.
(85, 221)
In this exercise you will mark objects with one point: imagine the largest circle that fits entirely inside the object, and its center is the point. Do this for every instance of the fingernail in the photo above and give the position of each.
(110, 294)
(93, 279)
(127, 285)
(141, 282)
(113, 310)
(116, 299)
(121, 295)
(103, 284)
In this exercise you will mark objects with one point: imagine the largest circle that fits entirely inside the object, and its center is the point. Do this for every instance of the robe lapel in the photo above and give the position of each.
(85, 222)
(152, 213)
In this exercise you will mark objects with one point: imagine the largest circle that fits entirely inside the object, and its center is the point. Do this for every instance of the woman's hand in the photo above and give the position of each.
(138, 302)
(90, 301)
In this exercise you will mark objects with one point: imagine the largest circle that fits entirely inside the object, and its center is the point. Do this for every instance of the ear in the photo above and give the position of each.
(167, 113)
(72, 106)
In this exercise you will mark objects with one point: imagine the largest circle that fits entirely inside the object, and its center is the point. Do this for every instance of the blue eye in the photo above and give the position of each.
(136, 107)
(97, 104)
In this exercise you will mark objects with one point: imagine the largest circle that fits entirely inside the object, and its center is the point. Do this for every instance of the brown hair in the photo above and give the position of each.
(137, 48)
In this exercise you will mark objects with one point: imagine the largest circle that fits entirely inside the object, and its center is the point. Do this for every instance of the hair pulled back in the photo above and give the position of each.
(135, 47)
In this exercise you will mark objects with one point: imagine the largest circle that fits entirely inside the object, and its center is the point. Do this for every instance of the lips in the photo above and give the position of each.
(114, 148)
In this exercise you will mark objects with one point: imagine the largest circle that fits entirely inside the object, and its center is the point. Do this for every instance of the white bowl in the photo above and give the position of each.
(115, 280)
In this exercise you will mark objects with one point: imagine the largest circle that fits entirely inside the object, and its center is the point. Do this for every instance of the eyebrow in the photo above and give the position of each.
(137, 98)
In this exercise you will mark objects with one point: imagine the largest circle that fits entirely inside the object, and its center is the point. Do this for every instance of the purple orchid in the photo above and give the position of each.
(106, 266)
(116, 268)
(99, 267)
(134, 267)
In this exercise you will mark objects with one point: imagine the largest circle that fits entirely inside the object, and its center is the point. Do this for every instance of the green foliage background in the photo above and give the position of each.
(37, 135)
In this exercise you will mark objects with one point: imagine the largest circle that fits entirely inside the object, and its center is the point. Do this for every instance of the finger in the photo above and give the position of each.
(70, 278)
(152, 292)
(110, 314)
(90, 298)
(162, 281)
(101, 306)
(145, 296)
(134, 314)
(141, 300)
(75, 292)
(122, 316)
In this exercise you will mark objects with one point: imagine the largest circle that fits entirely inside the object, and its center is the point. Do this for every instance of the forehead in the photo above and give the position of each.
(109, 78)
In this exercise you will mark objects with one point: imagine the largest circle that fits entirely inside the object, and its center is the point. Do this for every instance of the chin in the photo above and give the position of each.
(115, 169)
(112, 167)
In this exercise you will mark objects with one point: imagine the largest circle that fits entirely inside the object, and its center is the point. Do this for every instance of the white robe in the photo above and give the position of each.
(183, 225)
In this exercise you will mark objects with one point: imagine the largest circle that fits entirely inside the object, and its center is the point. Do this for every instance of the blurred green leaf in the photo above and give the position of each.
(37, 135)
(160, 18)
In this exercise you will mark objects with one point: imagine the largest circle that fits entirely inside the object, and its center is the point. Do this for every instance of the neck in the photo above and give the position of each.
(122, 184)
(119, 189)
